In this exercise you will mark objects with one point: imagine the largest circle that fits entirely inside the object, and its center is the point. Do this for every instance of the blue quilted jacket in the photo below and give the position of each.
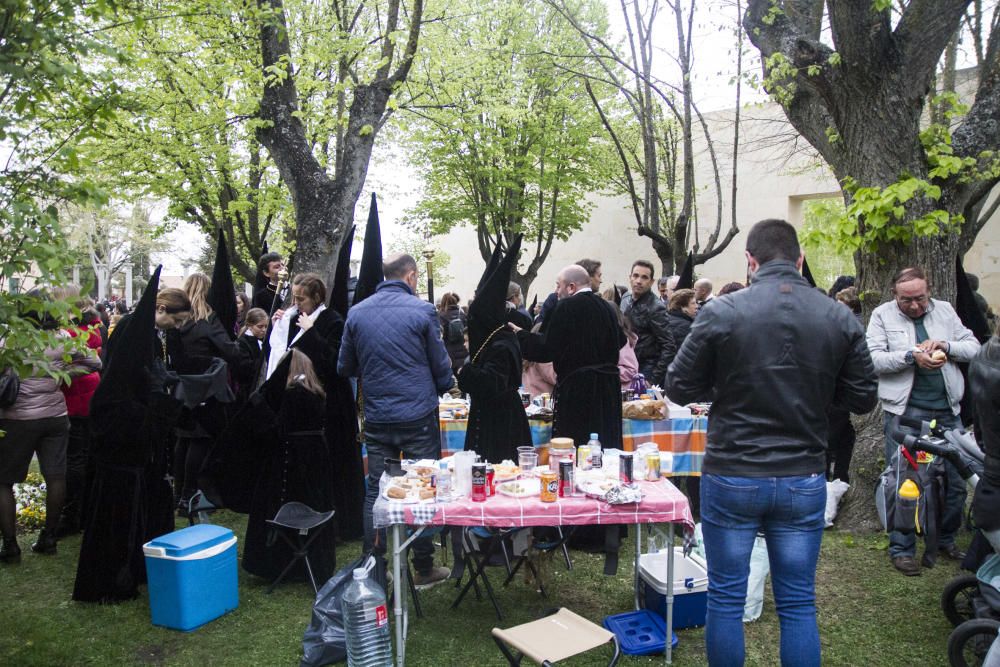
(392, 341)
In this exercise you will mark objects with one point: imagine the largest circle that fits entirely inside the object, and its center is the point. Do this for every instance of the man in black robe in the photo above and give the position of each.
(582, 338)
(269, 266)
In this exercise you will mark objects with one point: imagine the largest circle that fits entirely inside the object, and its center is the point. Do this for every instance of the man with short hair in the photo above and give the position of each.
(776, 354)
(703, 291)
(915, 342)
(392, 342)
(663, 287)
(581, 337)
(269, 265)
(647, 315)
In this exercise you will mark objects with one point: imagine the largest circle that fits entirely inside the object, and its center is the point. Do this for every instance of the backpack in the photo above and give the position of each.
(930, 478)
(455, 332)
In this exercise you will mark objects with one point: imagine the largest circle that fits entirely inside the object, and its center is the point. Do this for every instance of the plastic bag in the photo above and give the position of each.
(324, 641)
(835, 490)
(760, 566)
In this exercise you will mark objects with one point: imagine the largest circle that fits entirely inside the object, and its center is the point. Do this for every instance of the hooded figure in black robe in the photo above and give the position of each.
(295, 465)
(131, 416)
(582, 338)
(497, 423)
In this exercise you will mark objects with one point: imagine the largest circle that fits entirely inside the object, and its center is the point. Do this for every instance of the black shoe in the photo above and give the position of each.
(10, 552)
(928, 561)
(46, 543)
(66, 527)
(951, 552)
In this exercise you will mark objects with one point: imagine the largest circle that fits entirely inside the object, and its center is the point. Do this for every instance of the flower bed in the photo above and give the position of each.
(29, 503)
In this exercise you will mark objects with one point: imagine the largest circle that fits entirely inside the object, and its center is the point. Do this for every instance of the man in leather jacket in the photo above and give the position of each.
(984, 383)
(647, 315)
(777, 354)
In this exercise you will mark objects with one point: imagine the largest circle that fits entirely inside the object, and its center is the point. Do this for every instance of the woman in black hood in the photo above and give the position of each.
(492, 377)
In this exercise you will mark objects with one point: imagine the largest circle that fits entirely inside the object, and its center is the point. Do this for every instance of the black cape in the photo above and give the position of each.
(497, 423)
(582, 338)
(296, 467)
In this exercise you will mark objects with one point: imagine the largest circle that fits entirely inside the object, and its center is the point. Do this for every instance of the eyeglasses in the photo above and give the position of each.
(907, 300)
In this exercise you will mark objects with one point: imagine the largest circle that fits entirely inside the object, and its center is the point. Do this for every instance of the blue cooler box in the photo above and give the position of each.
(690, 587)
(192, 576)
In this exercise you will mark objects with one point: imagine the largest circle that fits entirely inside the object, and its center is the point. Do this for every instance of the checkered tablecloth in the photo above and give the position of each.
(684, 437)
(661, 503)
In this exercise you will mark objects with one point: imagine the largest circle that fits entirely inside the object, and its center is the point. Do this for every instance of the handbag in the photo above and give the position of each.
(10, 385)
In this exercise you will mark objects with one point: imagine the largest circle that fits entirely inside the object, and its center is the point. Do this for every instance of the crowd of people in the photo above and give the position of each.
(255, 402)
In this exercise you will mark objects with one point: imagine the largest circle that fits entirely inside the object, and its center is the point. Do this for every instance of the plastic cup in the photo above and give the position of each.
(527, 461)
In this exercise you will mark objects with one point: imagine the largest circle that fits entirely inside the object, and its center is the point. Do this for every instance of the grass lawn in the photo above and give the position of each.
(868, 615)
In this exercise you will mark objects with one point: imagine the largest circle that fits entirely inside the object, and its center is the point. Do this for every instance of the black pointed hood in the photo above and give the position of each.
(534, 303)
(222, 293)
(341, 275)
(130, 352)
(260, 281)
(807, 274)
(686, 280)
(491, 266)
(966, 307)
(489, 309)
(370, 274)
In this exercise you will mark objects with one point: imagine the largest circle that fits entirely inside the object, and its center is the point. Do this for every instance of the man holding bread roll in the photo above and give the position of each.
(915, 342)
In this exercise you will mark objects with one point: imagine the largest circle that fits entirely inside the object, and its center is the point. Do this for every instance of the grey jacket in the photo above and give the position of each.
(891, 334)
(40, 396)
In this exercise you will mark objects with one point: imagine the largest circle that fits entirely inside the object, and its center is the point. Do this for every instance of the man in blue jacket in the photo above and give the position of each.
(392, 342)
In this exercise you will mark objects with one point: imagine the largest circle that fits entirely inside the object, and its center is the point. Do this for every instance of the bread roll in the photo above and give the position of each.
(396, 492)
(939, 355)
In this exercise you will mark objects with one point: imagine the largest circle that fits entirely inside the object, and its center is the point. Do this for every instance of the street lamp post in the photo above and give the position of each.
(429, 257)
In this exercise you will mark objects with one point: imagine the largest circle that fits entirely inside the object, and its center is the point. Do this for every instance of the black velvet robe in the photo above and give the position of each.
(497, 423)
(131, 501)
(322, 345)
(296, 467)
(582, 337)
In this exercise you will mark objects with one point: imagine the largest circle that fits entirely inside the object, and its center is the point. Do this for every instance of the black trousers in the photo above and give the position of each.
(77, 469)
(189, 457)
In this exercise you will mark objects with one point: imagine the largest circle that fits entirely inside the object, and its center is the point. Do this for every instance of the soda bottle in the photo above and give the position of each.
(596, 456)
(366, 622)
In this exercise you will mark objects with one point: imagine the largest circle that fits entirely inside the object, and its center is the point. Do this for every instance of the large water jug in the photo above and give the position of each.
(461, 483)
(366, 621)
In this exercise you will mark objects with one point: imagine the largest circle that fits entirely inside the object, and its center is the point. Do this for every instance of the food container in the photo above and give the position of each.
(192, 576)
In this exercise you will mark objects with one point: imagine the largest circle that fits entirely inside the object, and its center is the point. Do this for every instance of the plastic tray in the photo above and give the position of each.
(640, 632)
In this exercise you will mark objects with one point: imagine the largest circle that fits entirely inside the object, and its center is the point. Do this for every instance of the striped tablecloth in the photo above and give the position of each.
(684, 437)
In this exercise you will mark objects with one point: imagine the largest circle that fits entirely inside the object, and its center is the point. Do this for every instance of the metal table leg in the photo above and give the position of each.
(635, 570)
(668, 649)
(399, 606)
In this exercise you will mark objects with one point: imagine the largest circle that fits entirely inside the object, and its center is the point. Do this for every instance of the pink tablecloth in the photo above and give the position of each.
(661, 503)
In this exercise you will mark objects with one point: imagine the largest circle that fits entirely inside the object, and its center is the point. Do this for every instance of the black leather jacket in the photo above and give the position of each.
(655, 348)
(984, 386)
(777, 355)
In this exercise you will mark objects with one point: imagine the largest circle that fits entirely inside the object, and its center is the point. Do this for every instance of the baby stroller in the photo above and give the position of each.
(971, 602)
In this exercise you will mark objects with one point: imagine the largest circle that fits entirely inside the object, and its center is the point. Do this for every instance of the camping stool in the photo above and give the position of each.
(559, 635)
(199, 508)
(491, 542)
(305, 524)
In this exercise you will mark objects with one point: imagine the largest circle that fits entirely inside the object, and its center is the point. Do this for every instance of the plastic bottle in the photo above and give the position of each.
(596, 455)
(366, 622)
(907, 507)
(444, 483)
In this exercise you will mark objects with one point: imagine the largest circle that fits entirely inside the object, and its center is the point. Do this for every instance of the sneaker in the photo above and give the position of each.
(46, 543)
(432, 578)
(907, 565)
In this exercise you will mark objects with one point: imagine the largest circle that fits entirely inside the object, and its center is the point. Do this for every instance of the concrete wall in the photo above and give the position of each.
(778, 173)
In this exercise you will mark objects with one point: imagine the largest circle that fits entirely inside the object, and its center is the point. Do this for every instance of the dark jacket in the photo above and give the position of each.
(655, 348)
(392, 341)
(777, 355)
(984, 385)
(680, 326)
(457, 352)
(193, 344)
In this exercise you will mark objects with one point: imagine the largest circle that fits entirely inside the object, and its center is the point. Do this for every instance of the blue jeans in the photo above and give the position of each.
(789, 511)
(905, 544)
(419, 439)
